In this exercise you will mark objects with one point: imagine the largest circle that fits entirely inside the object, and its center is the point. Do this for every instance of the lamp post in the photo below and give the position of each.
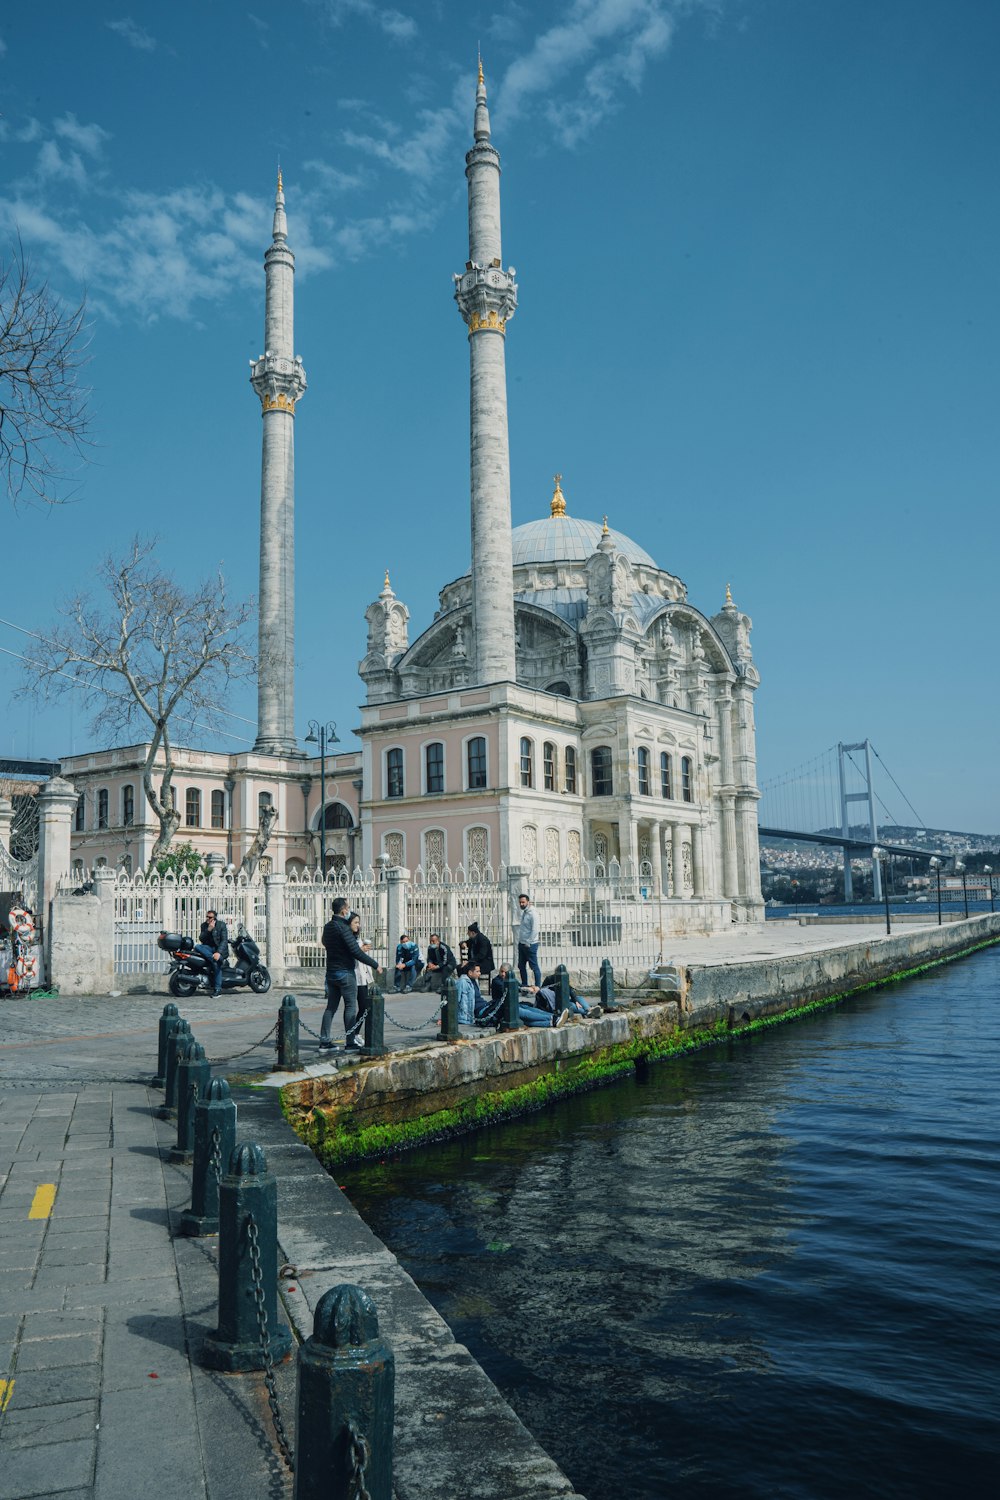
(882, 856)
(960, 870)
(935, 864)
(322, 735)
(988, 872)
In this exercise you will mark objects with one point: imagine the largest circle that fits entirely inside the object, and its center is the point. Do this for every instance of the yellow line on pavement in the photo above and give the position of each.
(6, 1391)
(41, 1203)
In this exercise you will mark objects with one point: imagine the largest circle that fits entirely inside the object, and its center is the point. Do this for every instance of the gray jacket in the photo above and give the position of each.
(527, 932)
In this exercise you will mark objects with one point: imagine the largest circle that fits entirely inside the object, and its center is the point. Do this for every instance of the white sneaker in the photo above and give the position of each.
(562, 1018)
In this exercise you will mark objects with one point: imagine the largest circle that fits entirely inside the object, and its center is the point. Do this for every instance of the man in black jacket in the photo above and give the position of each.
(213, 945)
(343, 951)
(479, 951)
(440, 966)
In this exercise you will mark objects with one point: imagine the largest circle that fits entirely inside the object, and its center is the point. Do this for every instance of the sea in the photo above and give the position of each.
(770, 1268)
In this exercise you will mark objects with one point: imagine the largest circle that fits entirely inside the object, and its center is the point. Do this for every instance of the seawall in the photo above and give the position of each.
(437, 1089)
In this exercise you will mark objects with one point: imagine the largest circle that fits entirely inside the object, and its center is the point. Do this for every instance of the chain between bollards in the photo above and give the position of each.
(256, 1275)
(360, 1454)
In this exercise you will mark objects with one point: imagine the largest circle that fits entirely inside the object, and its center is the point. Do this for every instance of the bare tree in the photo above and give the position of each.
(261, 839)
(151, 654)
(42, 403)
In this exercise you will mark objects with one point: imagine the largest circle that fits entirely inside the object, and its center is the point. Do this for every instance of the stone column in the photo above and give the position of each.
(632, 844)
(677, 855)
(397, 884)
(727, 794)
(6, 818)
(279, 380)
(487, 297)
(274, 926)
(56, 805)
(656, 857)
(698, 859)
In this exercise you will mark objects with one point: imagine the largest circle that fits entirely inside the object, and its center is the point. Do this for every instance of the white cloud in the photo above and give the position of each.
(58, 166)
(89, 138)
(136, 36)
(261, 29)
(394, 23)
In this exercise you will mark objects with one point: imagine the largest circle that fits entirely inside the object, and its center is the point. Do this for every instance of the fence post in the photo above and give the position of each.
(608, 986)
(347, 1375)
(170, 1013)
(193, 1074)
(214, 1112)
(274, 925)
(248, 1268)
(179, 1038)
(518, 880)
(56, 804)
(375, 1021)
(511, 1015)
(448, 1031)
(288, 1035)
(397, 887)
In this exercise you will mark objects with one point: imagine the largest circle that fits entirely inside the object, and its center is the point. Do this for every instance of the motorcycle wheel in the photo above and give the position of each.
(182, 985)
(260, 980)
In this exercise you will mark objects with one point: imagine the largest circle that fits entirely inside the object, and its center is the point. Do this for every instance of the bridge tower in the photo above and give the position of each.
(846, 797)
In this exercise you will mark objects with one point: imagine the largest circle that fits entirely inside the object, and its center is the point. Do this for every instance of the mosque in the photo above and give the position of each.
(567, 702)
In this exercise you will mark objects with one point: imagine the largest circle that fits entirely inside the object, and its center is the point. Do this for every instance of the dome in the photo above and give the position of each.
(567, 539)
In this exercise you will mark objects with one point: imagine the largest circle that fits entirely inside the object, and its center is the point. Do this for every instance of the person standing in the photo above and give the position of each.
(213, 945)
(361, 972)
(343, 952)
(527, 941)
(479, 950)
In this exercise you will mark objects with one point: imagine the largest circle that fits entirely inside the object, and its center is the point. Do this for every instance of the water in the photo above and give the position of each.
(875, 910)
(769, 1269)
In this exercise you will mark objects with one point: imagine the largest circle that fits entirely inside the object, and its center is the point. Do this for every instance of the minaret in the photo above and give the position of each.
(279, 380)
(487, 296)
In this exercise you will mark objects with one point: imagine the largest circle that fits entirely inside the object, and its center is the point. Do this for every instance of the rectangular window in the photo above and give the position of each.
(643, 758)
(687, 779)
(477, 763)
(80, 819)
(128, 805)
(527, 778)
(601, 781)
(192, 808)
(435, 767)
(570, 765)
(102, 808)
(394, 773)
(666, 780)
(218, 809)
(549, 766)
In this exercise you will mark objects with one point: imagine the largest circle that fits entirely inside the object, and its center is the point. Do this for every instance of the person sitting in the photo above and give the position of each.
(407, 964)
(440, 965)
(498, 984)
(479, 950)
(468, 994)
(549, 987)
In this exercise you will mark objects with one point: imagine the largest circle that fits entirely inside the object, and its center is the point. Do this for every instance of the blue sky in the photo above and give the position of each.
(756, 244)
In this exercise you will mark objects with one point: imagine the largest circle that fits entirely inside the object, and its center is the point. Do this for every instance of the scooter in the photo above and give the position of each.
(191, 973)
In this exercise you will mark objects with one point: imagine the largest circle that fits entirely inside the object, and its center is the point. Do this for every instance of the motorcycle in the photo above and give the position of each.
(191, 973)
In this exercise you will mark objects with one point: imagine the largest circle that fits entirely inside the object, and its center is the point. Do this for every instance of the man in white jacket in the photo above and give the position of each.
(527, 941)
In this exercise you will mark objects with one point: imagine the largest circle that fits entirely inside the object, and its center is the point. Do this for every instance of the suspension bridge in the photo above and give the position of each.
(839, 798)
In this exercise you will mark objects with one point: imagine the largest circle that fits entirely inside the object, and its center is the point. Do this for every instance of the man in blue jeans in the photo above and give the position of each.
(213, 945)
(527, 941)
(343, 951)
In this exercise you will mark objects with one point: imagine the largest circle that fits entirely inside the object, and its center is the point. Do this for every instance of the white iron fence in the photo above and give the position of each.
(308, 902)
(20, 877)
(146, 905)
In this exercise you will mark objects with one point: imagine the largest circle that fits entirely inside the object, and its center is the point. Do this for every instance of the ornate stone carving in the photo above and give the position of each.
(529, 845)
(686, 862)
(434, 850)
(394, 849)
(486, 297)
(552, 848)
(574, 849)
(278, 381)
(479, 848)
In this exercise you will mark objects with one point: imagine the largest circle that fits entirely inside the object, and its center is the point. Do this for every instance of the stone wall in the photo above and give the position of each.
(82, 954)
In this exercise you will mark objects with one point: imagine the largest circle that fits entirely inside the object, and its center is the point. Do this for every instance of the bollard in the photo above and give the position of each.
(562, 988)
(375, 1022)
(347, 1376)
(248, 1268)
(194, 1073)
(608, 986)
(288, 1035)
(176, 1042)
(449, 1013)
(511, 1014)
(214, 1143)
(170, 1013)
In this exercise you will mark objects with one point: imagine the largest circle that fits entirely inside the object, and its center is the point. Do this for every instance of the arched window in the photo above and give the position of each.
(643, 760)
(562, 689)
(476, 758)
(687, 779)
(128, 805)
(218, 809)
(666, 776)
(434, 766)
(102, 807)
(549, 766)
(394, 773)
(80, 816)
(434, 850)
(337, 817)
(192, 807)
(477, 848)
(569, 768)
(393, 847)
(601, 782)
(527, 770)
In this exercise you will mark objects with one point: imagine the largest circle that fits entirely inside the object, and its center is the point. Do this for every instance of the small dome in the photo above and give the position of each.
(567, 539)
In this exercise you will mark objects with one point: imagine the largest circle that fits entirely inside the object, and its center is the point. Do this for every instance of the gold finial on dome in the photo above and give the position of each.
(605, 530)
(386, 583)
(481, 78)
(280, 188)
(729, 594)
(558, 498)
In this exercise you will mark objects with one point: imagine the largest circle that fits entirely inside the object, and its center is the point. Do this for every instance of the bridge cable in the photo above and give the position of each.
(899, 789)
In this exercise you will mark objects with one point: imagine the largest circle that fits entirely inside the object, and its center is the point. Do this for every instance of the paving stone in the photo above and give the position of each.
(160, 1410)
(48, 1470)
(47, 1325)
(38, 1425)
(50, 1387)
(78, 1224)
(69, 1276)
(56, 1353)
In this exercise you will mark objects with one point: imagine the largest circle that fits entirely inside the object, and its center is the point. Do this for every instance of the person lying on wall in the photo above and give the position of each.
(546, 994)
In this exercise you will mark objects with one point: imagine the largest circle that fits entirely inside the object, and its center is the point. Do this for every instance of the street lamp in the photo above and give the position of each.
(960, 870)
(988, 872)
(883, 857)
(936, 864)
(322, 735)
